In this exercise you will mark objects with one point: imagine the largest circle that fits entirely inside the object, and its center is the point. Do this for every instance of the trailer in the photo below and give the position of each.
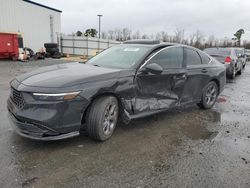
(9, 46)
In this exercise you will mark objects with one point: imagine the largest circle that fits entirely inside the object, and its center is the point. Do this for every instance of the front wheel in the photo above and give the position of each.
(102, 118)
(209, 95)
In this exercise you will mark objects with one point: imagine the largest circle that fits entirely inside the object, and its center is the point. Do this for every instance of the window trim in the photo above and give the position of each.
(168, 47)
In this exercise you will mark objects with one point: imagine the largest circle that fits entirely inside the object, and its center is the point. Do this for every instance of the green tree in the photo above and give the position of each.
(90, 33)
(238, 36)
(78, 33)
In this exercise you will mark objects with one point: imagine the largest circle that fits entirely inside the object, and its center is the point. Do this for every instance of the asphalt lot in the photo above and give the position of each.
(181, 148)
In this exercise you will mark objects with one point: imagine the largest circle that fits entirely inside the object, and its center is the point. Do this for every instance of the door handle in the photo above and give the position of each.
(204, 70)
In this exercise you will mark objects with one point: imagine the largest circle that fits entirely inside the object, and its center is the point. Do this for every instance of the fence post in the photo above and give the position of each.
(73, 42)
(98, 43)
(87, 42)
(61, 42)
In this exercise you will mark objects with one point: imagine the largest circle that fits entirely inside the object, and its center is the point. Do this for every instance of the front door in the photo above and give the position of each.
(161, 91)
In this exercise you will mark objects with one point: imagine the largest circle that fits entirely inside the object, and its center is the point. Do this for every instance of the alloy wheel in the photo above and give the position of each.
(211, 94)
(110, 118)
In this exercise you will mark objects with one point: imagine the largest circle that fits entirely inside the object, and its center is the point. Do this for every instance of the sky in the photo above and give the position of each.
(221, 18)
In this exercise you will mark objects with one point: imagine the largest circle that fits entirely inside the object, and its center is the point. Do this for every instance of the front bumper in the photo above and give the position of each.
(46, 120)
(35, 132)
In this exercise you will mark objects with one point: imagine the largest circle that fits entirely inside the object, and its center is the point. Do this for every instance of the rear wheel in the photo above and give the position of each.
(232, 76)
(240, 71)
(102, 118)
(209, 95)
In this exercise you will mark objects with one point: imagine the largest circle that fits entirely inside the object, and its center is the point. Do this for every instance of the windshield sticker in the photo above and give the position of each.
(131, 49)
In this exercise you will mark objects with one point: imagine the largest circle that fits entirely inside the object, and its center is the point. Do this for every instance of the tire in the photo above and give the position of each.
(50, 45)
(52, 50)
(232, 76)
(47, 55)
(14, 58)
(102, 118)
(56, 55)
(209, 95)
(240, 71)
(244, 64)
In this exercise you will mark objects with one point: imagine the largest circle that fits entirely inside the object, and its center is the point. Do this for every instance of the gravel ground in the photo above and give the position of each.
(181, 148)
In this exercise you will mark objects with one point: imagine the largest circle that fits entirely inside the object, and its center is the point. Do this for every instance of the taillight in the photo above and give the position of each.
(228, 60)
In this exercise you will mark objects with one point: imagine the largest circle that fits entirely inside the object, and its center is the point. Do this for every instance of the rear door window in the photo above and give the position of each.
(205, 59)
(192, 57)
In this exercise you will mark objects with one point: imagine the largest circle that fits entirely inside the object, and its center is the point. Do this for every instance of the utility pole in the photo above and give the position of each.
(99, 15)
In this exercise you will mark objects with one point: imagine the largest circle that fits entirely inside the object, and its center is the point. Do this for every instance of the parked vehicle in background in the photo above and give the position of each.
(248, 54)
(52, 50)
(131, 80)
(241, 54)
(227, 56)
(9, 46)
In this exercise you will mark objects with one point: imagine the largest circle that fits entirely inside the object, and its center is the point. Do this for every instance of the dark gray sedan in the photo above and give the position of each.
(127, 81)
(228, 57)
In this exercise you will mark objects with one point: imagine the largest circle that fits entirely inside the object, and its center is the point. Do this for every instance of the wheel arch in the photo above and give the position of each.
(97, 96)
(216, 81)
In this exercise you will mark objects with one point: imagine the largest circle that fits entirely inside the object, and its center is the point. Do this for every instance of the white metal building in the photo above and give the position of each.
(36, 23)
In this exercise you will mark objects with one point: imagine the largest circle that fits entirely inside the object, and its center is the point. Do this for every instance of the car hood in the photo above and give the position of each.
(66, 75)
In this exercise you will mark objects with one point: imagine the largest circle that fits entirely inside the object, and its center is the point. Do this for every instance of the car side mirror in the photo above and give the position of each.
(153, 68)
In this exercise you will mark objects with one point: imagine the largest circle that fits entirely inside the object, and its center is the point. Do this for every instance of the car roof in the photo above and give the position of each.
(227, 48)
(142, 41)
(150, 43)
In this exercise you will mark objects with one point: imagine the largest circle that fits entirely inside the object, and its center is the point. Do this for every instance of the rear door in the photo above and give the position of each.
(197, 75)
(157, 92)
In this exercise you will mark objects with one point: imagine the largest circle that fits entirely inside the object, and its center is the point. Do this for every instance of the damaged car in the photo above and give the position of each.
(127, 81)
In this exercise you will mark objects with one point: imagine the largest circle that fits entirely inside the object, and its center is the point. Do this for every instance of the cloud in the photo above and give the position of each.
(218, 17)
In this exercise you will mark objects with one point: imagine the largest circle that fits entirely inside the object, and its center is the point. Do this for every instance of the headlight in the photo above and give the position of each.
(55, 96)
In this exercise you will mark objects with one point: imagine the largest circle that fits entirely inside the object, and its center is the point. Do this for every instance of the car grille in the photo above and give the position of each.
(17, 98)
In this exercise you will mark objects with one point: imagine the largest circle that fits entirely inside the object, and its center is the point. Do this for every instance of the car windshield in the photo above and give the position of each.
(121, 57)
(218, 51)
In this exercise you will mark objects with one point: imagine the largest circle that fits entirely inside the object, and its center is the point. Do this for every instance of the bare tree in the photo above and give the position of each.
(152, 36)
(104, 35)
(178, 35)
(145, 36)
(198, 39)
(158, 36)
(118, 35)
(136, 35)
(111, 34)
(211, 41)
(126, 34)
(164, 36)
(192, 39)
